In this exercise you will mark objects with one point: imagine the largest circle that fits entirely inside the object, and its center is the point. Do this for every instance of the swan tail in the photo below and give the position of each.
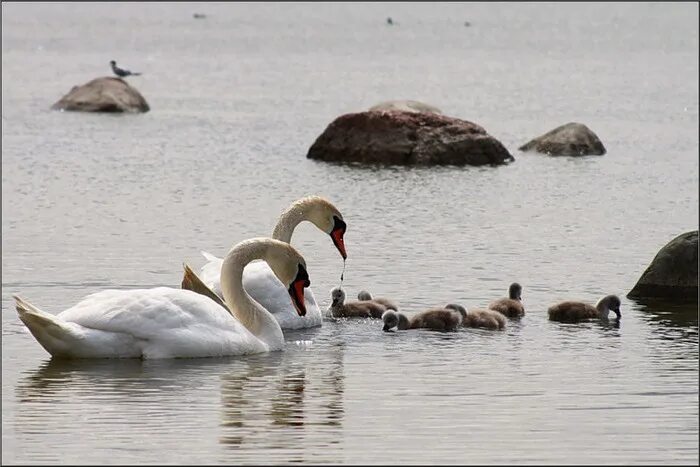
(190, 281)
(209, 257)
(53, 334)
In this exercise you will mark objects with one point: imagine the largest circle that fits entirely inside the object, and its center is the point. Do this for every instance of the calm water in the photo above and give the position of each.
(92, 202)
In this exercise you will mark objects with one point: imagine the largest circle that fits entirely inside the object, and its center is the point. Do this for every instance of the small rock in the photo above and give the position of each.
(105, 94)
(572, 139)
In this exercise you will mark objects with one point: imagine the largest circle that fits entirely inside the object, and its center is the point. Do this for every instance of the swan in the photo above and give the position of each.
(512, 307)
(573, 312)
(437, 319)
(363, 309)
(260, 282)
(164, 322)
(364, 296)
(479, 318)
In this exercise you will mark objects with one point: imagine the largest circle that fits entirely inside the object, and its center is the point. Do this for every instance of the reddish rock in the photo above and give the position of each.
(407, 138)
(103, 95)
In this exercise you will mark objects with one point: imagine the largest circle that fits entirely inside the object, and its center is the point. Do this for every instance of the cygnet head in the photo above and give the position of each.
(364, 295)
(337, 296)
(612, 303)
(515, 291)
(458, 308)
(391, 320)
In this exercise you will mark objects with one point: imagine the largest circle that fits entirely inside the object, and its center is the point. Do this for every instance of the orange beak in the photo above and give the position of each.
(296, 290)
(337, 236)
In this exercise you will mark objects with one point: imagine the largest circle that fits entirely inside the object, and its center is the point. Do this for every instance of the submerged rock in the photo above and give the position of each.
(407, 106)
(103, 95)
(407, 138)
(673, 273)
(572, 139)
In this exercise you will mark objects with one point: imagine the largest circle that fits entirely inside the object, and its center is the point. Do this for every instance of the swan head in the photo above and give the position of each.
(611, 303)
(337, 296)
(515, 291)
(290, 268)
(112, 62)
(458, 308)
(391, 320)
(324, 215)
(364, 295)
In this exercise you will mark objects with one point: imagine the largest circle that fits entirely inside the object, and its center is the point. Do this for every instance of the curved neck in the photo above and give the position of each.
(288, 221)
(250, 313)
(602, 308)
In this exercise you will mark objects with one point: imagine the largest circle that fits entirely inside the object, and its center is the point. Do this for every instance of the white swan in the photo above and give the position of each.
(170, 323)
(261, 283)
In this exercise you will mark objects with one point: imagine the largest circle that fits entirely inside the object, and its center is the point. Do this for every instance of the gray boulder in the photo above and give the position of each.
(407, 106)
(673, 273)
(105, 94)
(407, 138)
(572, 139)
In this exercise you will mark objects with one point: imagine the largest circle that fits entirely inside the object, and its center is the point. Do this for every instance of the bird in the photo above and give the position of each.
(363, 295)
(165, 322)
(120, 71)
(362, 309)
(511, 307)
(574, 312)
(436, 319)
(259, 280)
(479, 318)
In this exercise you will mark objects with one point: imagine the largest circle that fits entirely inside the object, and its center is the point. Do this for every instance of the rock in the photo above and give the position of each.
(407, 138)
(673, 273)
(407, 106)
(572, 139)
(105, 94)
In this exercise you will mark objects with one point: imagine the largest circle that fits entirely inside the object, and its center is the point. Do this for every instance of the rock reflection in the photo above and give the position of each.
(675, 313)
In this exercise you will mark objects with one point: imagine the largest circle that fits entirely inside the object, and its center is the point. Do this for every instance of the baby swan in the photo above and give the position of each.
(478, 318)
(437, 319)
(512, 307)
(573, 312)
(366, 296)
(363, 309)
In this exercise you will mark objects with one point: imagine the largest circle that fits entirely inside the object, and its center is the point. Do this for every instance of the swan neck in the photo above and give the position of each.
(602, 308)
(250, 313)
(288, 222)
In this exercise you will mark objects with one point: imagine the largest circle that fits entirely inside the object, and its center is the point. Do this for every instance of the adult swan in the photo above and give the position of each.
(258, 279)
(170, 323)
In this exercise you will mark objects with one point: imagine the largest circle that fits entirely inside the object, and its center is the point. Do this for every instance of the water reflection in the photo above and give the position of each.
(282, 402)
(677, 313)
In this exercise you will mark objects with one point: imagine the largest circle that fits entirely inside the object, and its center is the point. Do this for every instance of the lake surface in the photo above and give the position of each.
(102, 201)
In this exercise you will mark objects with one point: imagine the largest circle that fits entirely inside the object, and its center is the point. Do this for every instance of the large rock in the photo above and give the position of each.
(673, 273)
(103, 95)
(407, 138)
(407, 106)
(572, 139)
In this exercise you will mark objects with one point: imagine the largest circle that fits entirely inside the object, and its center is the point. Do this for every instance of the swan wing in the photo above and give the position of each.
(165, 322)
(210, 273)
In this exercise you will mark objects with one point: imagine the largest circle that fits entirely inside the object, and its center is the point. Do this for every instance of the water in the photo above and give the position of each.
(92, 202)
